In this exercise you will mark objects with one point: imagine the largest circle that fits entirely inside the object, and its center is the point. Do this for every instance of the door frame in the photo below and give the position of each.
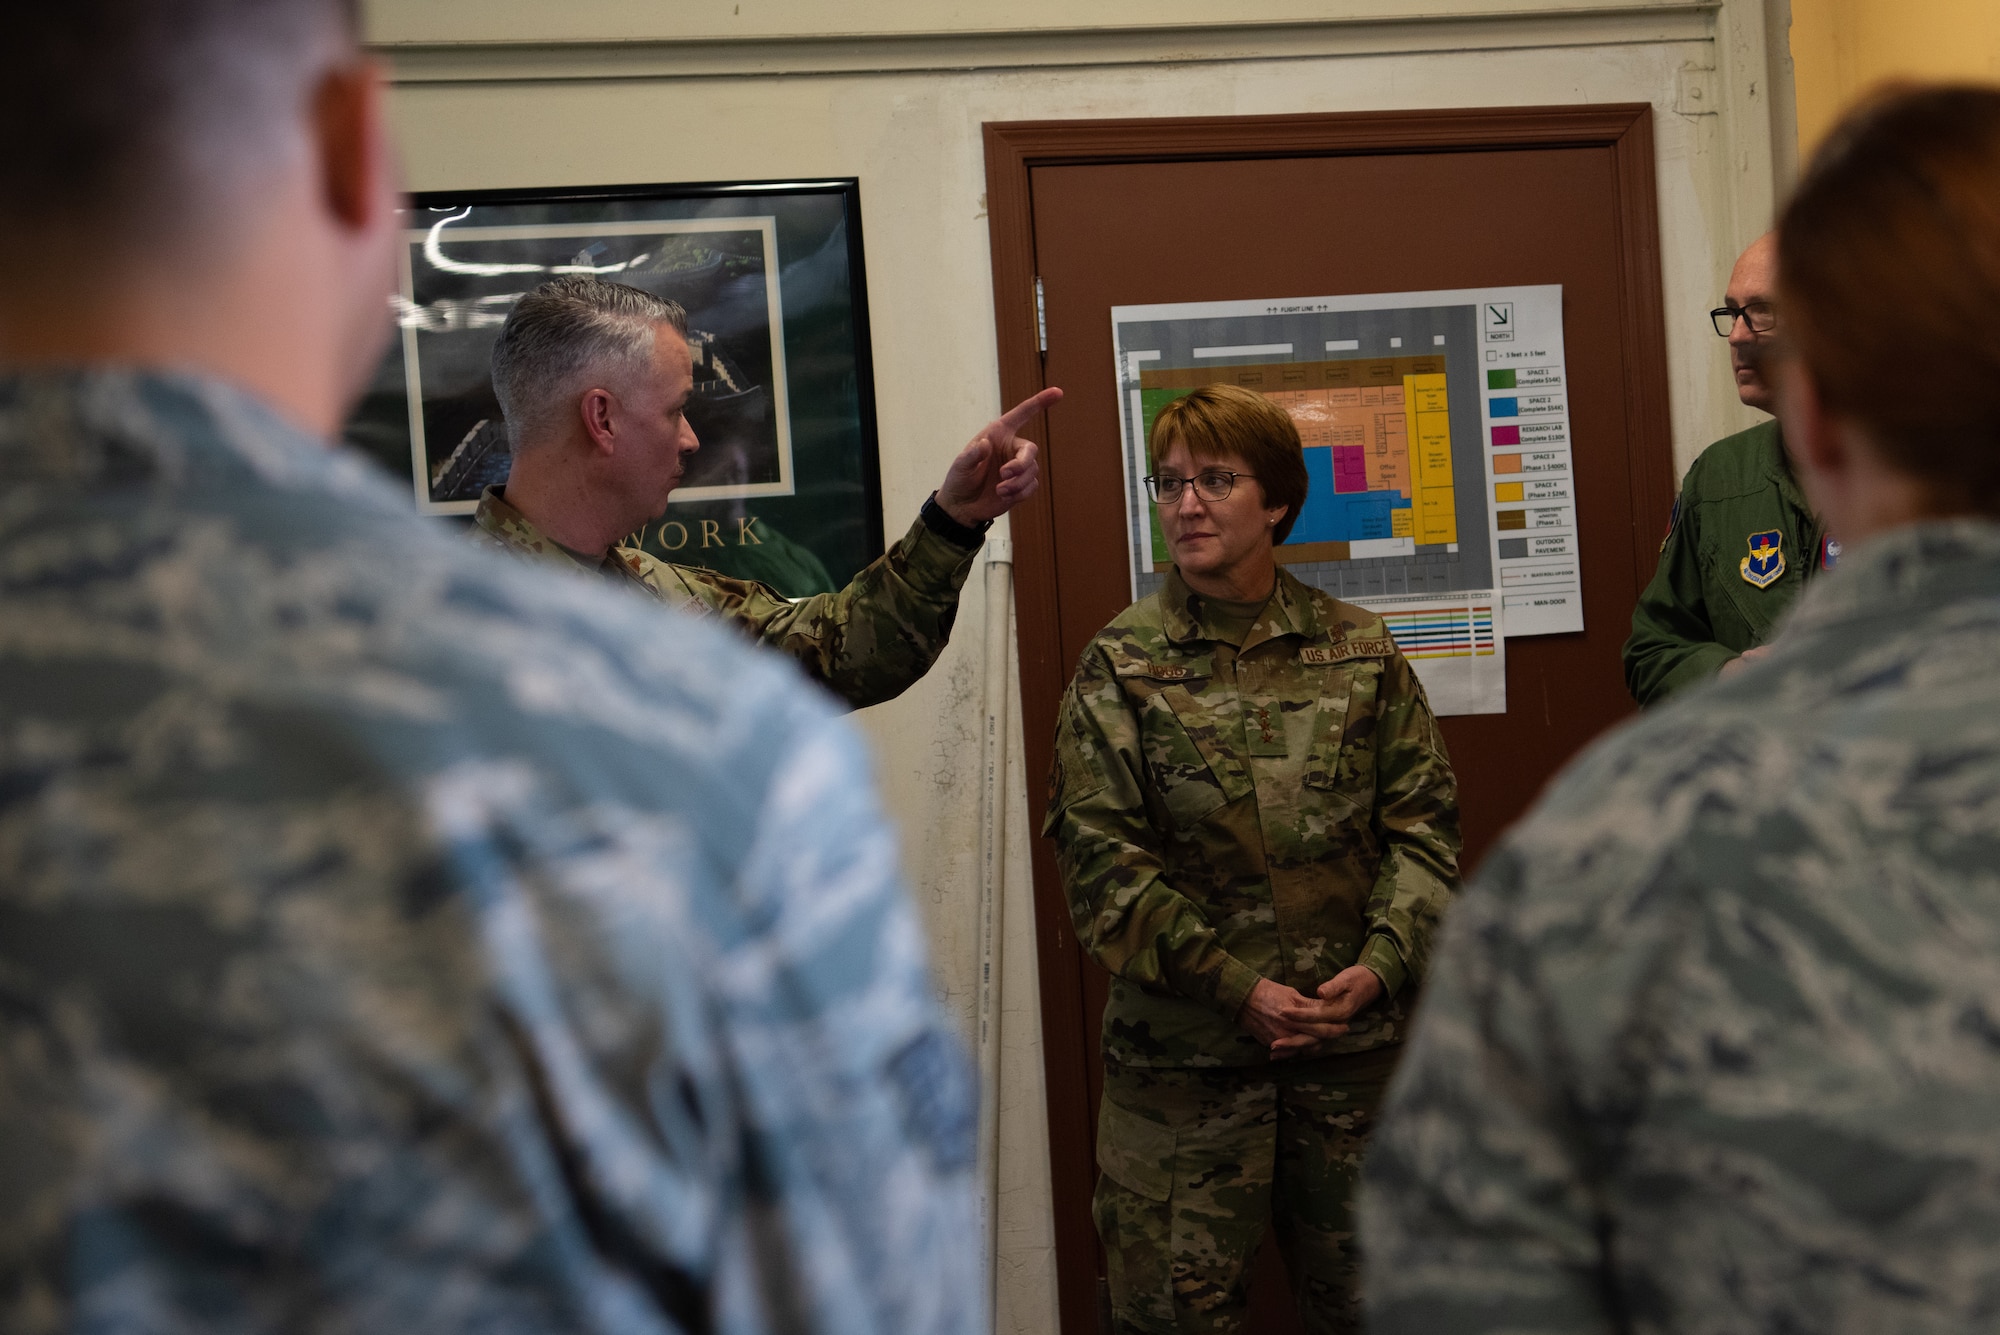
(1013, 149)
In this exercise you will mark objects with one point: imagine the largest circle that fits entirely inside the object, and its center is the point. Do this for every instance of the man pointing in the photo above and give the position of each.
(594, 378)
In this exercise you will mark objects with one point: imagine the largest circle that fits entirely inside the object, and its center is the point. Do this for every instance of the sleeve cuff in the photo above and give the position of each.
(933, 565)
(1702, 665)
(1382, 957)
(939, 522)
(1233, 986)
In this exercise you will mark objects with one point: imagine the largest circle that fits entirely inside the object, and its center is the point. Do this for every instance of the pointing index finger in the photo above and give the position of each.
(1023, 412)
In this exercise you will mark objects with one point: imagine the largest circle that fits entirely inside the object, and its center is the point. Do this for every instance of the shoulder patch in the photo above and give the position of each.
(1766, 561)
(1381, 647)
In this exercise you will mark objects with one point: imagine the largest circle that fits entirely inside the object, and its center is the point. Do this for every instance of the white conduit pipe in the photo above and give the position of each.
(992, 889)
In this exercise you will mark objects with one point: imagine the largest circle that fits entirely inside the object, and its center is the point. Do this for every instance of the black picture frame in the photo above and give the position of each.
(787, 487)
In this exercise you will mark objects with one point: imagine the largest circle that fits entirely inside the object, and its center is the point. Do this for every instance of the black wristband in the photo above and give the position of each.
(938, 521)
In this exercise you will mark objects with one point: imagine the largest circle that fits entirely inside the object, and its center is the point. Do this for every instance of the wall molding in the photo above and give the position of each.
(480, 60)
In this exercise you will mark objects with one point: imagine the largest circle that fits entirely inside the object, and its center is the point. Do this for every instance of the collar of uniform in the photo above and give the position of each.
(510, 526)
(1778, 465)
(1894, 573)
(1290, 612)
(86, 422)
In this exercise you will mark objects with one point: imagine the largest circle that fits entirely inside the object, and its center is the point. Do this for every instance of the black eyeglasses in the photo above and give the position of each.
(1211, 484)
(1761, 316)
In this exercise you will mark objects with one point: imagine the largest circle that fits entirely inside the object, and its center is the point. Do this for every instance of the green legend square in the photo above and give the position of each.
(1500, 379)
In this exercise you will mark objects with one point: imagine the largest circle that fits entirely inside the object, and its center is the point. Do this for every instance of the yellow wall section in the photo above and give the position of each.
(1843, 48)
(1431, 495)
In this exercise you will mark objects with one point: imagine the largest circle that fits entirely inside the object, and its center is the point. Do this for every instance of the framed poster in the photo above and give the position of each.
(786, 487)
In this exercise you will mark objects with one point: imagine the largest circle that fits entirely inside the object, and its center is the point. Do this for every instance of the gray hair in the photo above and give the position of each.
(565, 331)
(124, 118)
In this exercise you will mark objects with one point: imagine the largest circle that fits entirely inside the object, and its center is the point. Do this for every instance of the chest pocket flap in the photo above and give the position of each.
(1191, 733)
(1343, 750)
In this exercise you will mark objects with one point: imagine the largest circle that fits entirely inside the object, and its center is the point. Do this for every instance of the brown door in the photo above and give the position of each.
(1123, 213)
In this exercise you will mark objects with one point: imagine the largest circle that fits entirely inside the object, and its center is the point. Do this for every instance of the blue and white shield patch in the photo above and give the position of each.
(1766, 561)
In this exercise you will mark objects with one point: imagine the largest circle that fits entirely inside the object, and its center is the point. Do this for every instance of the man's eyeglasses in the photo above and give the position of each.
(1761, 316)
(1211, 484)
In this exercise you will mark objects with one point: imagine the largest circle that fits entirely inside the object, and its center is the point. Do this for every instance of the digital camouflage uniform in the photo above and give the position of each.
(396, 938)
(1702, 607)
(1280, 810)
(1713, 1043)
(867, 643)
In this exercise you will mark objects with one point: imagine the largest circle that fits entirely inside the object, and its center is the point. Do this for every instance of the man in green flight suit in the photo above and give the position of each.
(1742, 541)
(592, 378)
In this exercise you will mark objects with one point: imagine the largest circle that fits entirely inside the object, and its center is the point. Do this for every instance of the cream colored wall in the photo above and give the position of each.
(904, 117)
(1842, 48)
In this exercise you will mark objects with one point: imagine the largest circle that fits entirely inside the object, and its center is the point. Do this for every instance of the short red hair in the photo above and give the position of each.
(1889, 283)
(1219, 421)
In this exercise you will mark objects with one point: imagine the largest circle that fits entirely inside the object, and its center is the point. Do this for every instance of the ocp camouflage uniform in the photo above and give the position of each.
(866, 643)
(1713, 1044)
(398, 938)
(1283, 809)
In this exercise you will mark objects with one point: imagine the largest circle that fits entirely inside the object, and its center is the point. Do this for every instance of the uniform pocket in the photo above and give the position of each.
(1738, 612)
(1192, 799)
(1185, 737)
(1134, 1213)
(1343, 753)
(1134, 1152)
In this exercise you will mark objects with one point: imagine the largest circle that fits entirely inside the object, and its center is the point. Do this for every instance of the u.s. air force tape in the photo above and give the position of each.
(1346, 649)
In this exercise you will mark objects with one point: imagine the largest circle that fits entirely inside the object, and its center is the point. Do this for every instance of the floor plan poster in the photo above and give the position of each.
(1436, 432)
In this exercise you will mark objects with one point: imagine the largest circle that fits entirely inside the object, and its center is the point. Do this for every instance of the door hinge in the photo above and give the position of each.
(1041, 317)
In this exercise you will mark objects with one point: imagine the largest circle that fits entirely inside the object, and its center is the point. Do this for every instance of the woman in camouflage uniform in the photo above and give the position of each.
(1257, 827)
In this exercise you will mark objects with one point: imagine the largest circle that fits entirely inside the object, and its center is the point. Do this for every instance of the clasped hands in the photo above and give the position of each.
(1289, 1022)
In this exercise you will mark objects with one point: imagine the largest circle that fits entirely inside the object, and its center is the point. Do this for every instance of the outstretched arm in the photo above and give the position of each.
(869, 641)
